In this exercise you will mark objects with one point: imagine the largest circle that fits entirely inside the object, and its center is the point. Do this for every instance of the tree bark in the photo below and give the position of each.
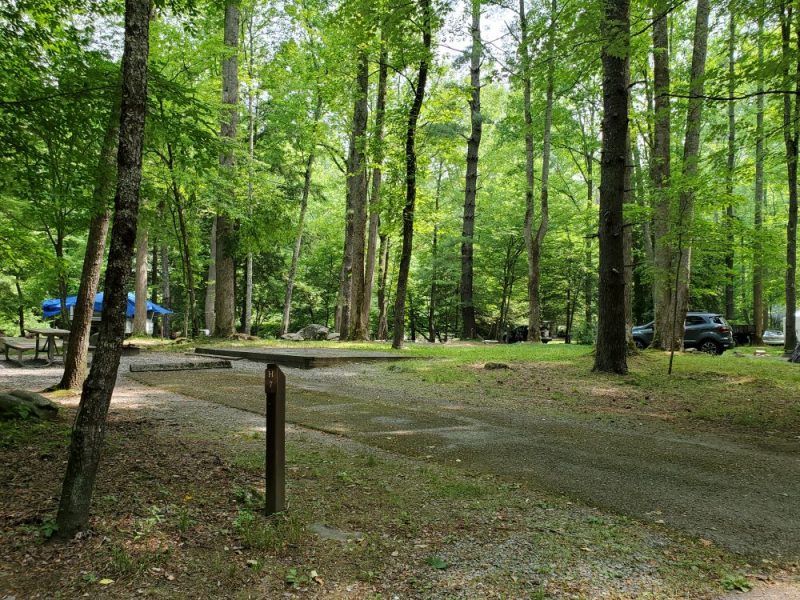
(166, 291)
(411, 179)
(247, 312)
(358, 182)
(611, 350)
(758, 218)
(730, 306)
(225, 300)
(434, 257)
(89, 428)
(660, 172)
(691, 160)
(471, 187)
(298, 243)
(140, 286)
(383, 272)
(791, 113)
(78, 348)
(20, 306)
(377, 177)
(211, 280)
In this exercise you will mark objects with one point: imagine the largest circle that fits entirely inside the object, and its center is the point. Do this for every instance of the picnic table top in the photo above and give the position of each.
(48, 331)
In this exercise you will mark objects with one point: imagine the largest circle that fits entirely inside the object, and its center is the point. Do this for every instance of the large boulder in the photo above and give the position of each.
(314, 332)
(292, 337)
(21, 404)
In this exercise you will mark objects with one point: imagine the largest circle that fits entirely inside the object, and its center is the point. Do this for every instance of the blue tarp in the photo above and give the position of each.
(52, 307)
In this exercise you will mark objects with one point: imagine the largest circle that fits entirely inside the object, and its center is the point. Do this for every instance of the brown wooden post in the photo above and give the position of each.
(275, 387)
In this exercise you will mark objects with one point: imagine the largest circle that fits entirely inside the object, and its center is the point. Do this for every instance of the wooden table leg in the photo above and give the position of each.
(51, 348)
(36, 355)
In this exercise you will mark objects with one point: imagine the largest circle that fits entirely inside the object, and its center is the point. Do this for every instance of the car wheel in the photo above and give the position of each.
(710, 347)
(640, 345)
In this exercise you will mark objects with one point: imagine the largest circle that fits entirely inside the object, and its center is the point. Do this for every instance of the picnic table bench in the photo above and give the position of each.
(18, 345)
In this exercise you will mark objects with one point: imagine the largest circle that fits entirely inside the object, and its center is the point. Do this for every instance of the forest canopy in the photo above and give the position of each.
(305, 159)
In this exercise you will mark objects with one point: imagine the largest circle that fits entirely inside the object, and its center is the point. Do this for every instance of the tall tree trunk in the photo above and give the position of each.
(611, 350)
(758, 218)
(89, 427)
(383, 272)
(691, 160)
(211, 280)
(298, 243)
(471, 188)
(377, 177)
(20, 306)
(660, 172)
(627, 240)
(730, 308)
(140, 285)
(247, 312)
(225, 300)
(411, 179)
(791, 113)
(434, 257)
(525, 61)
(358, 181)
(166, 291)
(78, 347)
(343, 303)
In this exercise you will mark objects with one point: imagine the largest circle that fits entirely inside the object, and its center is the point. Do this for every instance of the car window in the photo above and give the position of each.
(694, 320)
(719, 321)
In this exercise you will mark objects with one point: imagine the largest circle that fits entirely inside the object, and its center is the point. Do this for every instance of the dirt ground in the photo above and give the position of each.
(414, 473)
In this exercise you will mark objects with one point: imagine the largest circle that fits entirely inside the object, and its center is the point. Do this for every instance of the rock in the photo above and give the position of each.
(329, 533)
(292, 337)
(495, 365)
(21, 404)
(314, 332)
(333, 337)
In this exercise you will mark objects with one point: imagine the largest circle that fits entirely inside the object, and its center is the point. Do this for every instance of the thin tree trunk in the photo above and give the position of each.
(730, 308)
(758, 264)
(471, 188)
(225, 300)
(529, 176)
(298, 243)
(377, 176)
(358, 180)
(166, 291)
(78, 348)
(627, 241)
(611, 350)
(383, 271)
(89, 428)
(434, 257)
(211, 280)
(140, 287)
(411, 179)
(20, 306)
(660, 171)
(790, 135)
(691, 159)
(247, 312)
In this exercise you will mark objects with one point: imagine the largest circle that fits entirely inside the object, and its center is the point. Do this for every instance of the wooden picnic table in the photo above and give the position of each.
(51, 334)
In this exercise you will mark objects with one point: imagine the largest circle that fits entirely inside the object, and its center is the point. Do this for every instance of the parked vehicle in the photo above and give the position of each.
(708, 332)
(772, 337)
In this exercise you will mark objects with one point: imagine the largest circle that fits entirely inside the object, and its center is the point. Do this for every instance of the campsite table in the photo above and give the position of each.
(50, 343)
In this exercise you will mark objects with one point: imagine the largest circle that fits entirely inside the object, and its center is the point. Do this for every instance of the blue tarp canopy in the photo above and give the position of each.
(52, 307)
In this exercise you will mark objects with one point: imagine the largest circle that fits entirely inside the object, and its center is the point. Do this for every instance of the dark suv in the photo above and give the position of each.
(708, 332)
